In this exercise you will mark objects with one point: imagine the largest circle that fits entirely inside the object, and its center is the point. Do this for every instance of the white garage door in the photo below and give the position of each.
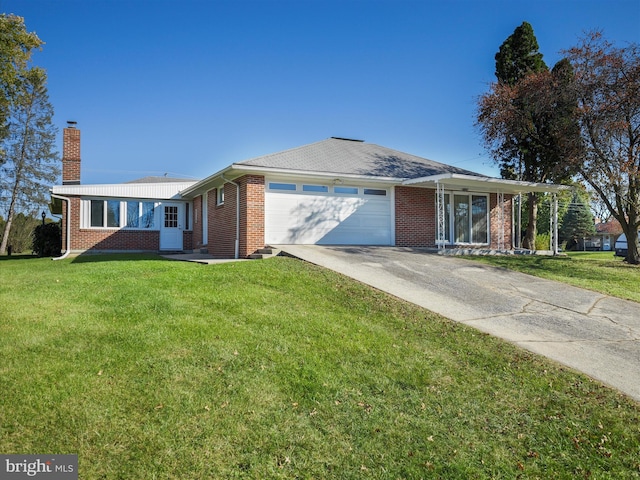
(297, 213)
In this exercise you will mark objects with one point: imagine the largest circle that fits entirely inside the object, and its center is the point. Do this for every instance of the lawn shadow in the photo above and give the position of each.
(22, 256)
(116, 257)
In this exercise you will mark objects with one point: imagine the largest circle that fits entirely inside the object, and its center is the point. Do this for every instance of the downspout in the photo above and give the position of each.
(68, 217)
(237, 242)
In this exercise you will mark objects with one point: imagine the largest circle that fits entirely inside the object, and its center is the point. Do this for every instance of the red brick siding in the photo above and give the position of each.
(495, 227)
(415, 211)
(187, 240)
(416, 218)
(222, 223)
(197, 222)
(222, 218)
(70, 156)
(251, 214)
(83, 239)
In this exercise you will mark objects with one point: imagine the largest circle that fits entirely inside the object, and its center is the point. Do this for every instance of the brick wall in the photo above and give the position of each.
(495, 225)
(222, 218)
(71, 156)
(197, 222)
(251, 214)
(415, 217)
(83, 239)
(222, 223)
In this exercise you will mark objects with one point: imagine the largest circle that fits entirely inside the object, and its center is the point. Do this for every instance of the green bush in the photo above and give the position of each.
(543, 241)
(47, 240)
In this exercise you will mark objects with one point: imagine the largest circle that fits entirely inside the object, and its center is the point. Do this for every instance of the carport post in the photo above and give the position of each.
(554, 230)
(441, 224)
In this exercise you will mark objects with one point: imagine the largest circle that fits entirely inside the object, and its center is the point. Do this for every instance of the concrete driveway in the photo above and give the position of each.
(590, 332)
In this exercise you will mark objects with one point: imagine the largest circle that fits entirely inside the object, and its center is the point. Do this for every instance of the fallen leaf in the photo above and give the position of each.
(159, 406)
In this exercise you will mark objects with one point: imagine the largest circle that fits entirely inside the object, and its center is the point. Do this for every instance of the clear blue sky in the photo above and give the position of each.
(187, 87)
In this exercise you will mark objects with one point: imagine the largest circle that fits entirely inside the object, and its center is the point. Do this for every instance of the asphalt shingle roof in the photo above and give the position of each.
(343, 156)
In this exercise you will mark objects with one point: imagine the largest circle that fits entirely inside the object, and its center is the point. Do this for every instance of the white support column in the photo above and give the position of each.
(500, 200)
(440, 206)
(554, 230)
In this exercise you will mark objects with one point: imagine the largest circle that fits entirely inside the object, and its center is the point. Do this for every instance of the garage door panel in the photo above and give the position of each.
(292, 218)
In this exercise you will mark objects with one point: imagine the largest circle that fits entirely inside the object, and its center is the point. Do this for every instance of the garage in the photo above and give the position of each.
(305, 213)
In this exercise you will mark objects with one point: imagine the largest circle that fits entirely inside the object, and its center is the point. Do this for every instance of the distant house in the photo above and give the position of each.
(604, 238)
(333, 192)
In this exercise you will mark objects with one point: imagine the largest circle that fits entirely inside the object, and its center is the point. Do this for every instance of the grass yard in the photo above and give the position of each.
(597, 271)
(153, 369)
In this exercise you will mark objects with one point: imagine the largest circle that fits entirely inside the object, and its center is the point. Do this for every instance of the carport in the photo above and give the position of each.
(448, 184)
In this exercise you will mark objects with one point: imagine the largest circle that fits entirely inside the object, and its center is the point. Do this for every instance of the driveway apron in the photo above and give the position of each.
(590, 332)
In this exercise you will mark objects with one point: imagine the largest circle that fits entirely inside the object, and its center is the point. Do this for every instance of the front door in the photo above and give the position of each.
(172, 227)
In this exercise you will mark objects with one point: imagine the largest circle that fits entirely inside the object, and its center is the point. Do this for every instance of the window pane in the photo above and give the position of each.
(133, 214)
(148, 214)
(113, 213)
(97, 213)
(282, 186)
(315, 188)
(349, 190)
(461, 220)
(170, 216)
(374, 191)
(479, 219)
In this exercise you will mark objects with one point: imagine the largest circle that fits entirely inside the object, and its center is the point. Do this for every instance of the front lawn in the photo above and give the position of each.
(597, 271)
(148, 368)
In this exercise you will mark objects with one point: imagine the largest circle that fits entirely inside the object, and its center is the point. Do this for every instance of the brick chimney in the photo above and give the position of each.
(71, 155)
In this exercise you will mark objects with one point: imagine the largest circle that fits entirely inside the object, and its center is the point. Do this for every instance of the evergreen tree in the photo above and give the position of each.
(519, 56)
(577, 222)
(527, 119)
(32, 162)
(16, 46)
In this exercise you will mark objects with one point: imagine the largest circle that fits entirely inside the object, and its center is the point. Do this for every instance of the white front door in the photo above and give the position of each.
(172, 226)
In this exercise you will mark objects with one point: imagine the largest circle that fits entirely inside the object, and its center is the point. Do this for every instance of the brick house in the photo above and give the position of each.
(333, 192)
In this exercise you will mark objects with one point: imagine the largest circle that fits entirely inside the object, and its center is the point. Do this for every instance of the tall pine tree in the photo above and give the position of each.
(31, 159)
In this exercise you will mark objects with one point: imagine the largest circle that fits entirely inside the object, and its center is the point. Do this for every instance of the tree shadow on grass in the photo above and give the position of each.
(117, 257)
(22, 256)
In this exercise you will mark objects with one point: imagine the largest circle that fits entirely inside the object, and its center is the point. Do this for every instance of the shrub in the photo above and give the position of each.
(47, 240)
(543, 241)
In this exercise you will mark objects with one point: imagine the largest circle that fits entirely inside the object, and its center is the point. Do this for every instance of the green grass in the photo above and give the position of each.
(597, 271)
(279, 369)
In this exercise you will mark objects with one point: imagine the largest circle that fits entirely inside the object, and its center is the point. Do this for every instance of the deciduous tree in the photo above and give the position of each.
(608, 87)
(526, 119)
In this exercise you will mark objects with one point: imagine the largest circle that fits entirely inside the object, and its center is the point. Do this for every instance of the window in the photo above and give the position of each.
(315, 188)
(466, 218)
(347, 190)
(105, 213)
(170, 216)
(282, 186)
(97, 213)
(375, 191)
(186, 216)
(140, 214)
(220, 196)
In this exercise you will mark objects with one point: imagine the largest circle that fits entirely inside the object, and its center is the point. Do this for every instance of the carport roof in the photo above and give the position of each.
(458, 181)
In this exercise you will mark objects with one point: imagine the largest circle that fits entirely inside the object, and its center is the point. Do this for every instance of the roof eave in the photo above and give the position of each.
(481, 182)
(236, 170)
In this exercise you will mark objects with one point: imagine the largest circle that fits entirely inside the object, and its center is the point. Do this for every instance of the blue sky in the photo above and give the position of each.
(188, 87)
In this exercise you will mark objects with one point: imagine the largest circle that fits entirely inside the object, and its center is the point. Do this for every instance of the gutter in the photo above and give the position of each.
(237, 241)
(68, 217)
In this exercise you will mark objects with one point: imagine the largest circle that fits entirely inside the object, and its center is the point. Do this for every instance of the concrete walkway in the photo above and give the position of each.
(590, 332)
